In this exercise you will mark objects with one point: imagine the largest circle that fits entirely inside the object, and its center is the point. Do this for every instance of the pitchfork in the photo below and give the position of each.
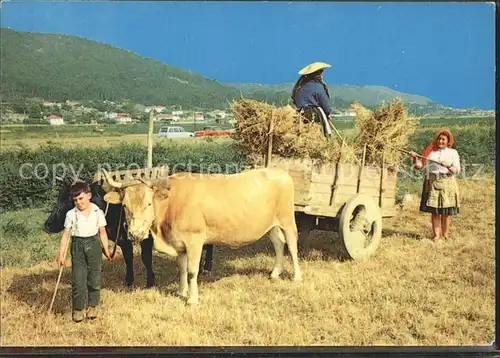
(421, 156)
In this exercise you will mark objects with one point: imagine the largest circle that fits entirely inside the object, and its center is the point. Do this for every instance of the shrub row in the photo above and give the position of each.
(475, 145)
(38, 131)
(31, 178)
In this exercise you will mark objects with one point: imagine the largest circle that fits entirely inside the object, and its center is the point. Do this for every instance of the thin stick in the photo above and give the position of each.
(335, 178)
(381, 184)
(59, 278)
(117, 232)
(421, 156)
(270, 141)
(336, 131)
(150, 138)
(341, 138)
(361, 169)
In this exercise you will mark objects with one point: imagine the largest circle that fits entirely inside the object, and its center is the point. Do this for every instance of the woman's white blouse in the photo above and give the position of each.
(82, 225)
(443, 155)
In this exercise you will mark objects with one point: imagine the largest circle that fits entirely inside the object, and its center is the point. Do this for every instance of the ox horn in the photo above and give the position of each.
(119, 185)
(111, 181)
(148, 183)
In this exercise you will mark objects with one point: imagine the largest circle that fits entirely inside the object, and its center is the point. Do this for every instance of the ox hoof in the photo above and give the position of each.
(192, 301)
(182, 293)
(297, 279)
(150, 281)
(275, 275)
(206, 273)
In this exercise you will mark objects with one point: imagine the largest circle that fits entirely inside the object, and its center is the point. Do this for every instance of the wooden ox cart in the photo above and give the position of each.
(347, 198)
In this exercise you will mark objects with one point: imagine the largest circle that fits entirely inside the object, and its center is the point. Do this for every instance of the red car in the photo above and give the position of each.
(213, 131)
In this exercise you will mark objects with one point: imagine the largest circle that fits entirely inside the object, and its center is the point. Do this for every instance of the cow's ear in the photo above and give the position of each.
(161, 193)
(106, 187)
(113, 197)
(161, 189)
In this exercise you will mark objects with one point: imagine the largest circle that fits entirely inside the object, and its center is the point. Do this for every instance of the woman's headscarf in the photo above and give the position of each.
(434, 146)
(315, 76)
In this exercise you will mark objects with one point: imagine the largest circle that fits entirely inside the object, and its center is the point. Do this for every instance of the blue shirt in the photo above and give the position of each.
(313, 94)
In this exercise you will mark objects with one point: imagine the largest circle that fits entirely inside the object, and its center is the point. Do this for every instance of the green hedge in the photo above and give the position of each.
(77, 130)
(30, 178)
(476, 146)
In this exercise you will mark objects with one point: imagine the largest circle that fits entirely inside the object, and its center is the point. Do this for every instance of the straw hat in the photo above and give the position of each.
(313, 67)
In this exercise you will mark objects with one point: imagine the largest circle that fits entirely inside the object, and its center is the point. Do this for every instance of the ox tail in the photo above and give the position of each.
(277, 232)
(282, 236)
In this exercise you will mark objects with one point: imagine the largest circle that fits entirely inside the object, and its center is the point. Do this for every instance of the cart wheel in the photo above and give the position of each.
(360, 226)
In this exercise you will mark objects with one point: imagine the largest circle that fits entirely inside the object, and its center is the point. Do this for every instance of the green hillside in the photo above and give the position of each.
(60, 67)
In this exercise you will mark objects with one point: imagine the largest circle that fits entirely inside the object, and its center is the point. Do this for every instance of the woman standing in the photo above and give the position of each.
(440, 194)
(310, 95)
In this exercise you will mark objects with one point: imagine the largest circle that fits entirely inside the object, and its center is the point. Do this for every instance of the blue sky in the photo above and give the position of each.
(444, 51)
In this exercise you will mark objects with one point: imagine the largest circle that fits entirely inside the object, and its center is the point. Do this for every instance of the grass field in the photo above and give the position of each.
(17, 131)
(90, 141)
(14, 137)
(412, 292)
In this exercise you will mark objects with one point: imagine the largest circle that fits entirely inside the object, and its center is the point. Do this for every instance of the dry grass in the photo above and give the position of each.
(292, 136)
(97, 141)
(384, 131)
(412, 292)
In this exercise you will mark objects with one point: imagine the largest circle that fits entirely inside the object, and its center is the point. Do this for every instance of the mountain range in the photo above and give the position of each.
(366, 95)
(60, 67)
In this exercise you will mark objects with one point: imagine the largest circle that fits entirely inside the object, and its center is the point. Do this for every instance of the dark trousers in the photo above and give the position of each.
(313, 114)
(85, 271)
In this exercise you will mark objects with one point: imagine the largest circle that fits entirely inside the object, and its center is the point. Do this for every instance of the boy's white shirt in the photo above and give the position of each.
(443, 155)
(82, 225)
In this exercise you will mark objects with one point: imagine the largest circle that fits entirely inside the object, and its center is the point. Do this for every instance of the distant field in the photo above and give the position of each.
(456, 121)
(14, 136)
(432, 122)
(31, 130)
(86, 141)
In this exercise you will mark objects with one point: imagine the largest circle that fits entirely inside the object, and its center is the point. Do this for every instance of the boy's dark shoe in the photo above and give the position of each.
(78, 316)
(92, 312)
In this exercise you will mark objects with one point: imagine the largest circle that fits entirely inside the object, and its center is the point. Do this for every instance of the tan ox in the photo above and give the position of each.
(186, 211)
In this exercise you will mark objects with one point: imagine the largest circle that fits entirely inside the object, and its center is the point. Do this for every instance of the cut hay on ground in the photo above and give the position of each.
(384, 130)
(412, 292)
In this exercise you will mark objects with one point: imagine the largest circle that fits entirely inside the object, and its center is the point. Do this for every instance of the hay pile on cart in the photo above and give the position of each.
(379, 133)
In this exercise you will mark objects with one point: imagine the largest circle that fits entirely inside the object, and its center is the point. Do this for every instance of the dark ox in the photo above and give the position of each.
(55, 224)
(186, 211)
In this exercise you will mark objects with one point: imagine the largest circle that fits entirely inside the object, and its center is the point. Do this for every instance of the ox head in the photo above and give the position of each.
(138, 199)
